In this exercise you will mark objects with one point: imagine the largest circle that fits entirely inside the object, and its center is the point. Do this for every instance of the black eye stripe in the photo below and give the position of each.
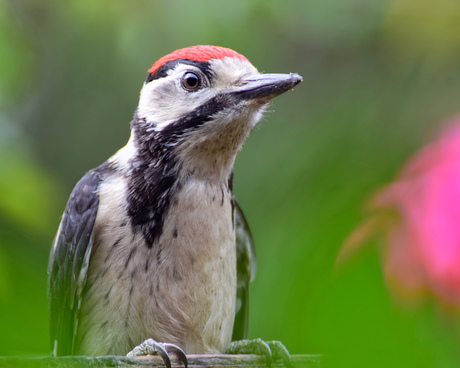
(197, 117)
(163, 70)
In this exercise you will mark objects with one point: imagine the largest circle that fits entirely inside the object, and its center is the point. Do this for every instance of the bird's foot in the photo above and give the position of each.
(271, 350)
(152, 347)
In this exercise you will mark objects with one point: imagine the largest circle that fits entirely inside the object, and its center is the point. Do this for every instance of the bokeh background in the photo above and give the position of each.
(379, 78)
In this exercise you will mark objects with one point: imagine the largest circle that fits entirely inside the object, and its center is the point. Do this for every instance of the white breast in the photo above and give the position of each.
(205, 254)
(182, 290)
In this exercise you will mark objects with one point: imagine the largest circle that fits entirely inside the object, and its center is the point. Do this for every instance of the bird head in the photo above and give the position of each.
(202, 102)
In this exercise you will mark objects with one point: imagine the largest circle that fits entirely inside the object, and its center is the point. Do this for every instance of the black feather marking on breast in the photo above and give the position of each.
(230, 182)
(159, 255)
(150, 192)
(153, 181)
(130, 257)
(148, 204)
(232, 198)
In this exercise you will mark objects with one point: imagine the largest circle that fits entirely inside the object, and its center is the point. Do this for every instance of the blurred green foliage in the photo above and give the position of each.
(379, 75)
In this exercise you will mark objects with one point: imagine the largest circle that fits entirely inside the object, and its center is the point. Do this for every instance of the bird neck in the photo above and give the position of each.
(207, 153)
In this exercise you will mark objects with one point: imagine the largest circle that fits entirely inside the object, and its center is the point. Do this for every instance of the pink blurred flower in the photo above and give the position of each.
(419, 214)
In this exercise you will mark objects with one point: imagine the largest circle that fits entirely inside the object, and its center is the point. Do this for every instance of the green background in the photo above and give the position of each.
(379, 77)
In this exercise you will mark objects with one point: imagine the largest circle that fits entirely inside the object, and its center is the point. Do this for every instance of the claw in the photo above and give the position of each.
(177, 351)
(161, 349)
(279, 351)
(264, 349)
(151, 347)
(271, 350)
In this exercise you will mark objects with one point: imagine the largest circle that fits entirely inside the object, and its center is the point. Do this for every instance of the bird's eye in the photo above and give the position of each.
(191, 81)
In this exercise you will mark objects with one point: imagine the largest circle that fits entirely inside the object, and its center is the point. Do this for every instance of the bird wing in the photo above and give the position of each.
(246, 271)
(69, 260)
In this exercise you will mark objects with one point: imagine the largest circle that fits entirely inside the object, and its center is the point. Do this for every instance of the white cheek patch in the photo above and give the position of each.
(163, 101)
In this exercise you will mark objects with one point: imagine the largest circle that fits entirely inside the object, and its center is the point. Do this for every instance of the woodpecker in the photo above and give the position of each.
(153, 248)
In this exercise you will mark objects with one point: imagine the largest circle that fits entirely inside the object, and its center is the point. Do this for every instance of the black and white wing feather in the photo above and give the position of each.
(69, 260)
(246, 271)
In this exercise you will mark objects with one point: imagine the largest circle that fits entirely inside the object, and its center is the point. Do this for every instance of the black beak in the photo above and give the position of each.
(266, 86)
